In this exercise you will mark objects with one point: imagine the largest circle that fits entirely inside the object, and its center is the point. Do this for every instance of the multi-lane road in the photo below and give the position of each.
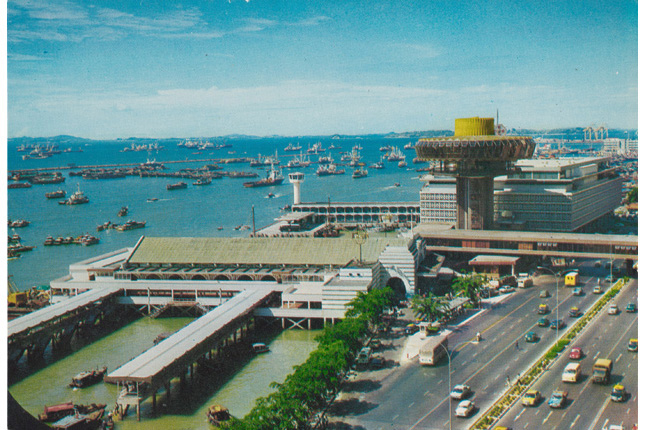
(415, 397)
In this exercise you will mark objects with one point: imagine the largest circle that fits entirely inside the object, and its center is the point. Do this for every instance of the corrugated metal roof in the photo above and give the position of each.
(256, 251)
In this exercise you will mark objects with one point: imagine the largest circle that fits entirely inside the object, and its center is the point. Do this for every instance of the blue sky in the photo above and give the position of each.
(144, 68)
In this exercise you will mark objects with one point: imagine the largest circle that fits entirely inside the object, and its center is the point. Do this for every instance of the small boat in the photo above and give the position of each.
(152, 199)
(86, 240)
(77, 198)
(177, 186)
(409, 146)
(260, 348)
(88, 377)
(58, 240)
(220, 228)
(61, 410)
(80, 421)
(396, 184)
(359, 173)
(162, 336)
(104, 226)
(403, 163)
(217, 414)
(203, 181)
(123, 211)
(286, 207)
(68, 240)
(377, 165)
(55, 194)
(270, 195)
(49, 241)
(129, 225)
(18, 223)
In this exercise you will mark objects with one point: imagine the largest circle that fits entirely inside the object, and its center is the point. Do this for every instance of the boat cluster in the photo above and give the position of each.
(85, 239)
(128, 225)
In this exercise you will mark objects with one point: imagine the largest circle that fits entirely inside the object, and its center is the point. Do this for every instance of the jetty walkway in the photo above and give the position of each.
(156, 367)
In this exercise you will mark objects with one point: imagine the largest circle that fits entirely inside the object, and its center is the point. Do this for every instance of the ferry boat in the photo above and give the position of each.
(203, 181)
(177, 186)
(329, 170)
(56, 194)
(77, 198)
(260, 348)
(123, 211)
(359, 173)
(129, 225)
(291, 148)
(274, 177)
(87, 378)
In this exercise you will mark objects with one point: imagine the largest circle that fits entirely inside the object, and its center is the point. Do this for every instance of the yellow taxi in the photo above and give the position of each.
(531, 398)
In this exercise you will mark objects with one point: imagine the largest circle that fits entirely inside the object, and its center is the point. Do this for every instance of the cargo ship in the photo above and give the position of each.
(274, 177)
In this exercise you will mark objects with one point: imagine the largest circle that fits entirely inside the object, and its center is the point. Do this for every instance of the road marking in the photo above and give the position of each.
(502, 333)
(600, 411)
(574, 421)
(411, 404)
(526, 425)
(519, 415)
(593, 345)
(618, 358)
(395, 417)
(547, 417)
(439, 383)
(428, 392)
(475, 354)
(596, 355)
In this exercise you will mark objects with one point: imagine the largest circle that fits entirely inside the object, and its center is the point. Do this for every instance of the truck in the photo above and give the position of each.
(571, 279)
(432, 350)
(601, 371)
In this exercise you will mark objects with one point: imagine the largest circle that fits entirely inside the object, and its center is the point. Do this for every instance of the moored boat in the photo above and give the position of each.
(88, 377)
(290, 147)
(177, 186)
(77, 198)
(359, 173)
(123, 211)
(18, 223)
(274, 177)
(55, 194)
(377, 165)
(203, 181)
(129, 225)
(49, 241)
(329, 170)
(403, 163)
(104, 226)
(19, 185)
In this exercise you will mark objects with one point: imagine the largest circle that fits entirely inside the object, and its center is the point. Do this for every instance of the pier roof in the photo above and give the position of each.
(258, 251)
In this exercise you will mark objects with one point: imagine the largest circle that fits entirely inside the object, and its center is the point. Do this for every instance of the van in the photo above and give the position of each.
(571, 279)
(571, 372)
(524, 282)
(365, 355)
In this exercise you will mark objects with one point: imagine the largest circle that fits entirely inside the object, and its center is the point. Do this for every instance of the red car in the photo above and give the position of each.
(576, 353)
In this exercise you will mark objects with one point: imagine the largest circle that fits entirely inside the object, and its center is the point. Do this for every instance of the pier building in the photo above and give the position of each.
(559, 195)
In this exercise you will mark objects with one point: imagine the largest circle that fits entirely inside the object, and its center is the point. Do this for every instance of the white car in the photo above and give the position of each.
(460, 391)
(613, 309)
(464, 408)
(506, 289)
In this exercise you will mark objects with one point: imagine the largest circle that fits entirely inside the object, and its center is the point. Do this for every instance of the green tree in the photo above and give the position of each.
(469, 286)
(632, 195)
(430, 308)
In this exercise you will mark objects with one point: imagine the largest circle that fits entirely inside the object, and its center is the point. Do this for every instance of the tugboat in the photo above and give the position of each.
(203, 181)
(77, 198)
(177, 186)
(130, 225)
(359, 173)
(56, 194)
(274, 177)
(88, 377)
(123, 211)
(218, 414)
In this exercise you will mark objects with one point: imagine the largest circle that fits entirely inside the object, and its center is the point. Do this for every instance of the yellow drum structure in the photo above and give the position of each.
(474, 155)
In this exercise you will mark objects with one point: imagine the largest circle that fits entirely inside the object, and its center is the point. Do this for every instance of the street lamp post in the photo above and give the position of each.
(557, 301)
(449, 354)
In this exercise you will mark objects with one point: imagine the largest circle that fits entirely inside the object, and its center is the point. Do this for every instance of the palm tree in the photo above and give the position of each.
(469, 286)
(429, 308)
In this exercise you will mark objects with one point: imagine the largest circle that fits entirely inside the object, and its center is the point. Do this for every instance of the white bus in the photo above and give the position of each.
(433, 349)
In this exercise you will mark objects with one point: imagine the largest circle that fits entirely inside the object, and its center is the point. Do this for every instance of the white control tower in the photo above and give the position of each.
(296, 179)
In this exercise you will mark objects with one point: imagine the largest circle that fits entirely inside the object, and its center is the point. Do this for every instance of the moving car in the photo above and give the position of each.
(558, 399)
(543, 309)
(544, 294)
(460, 391)
(530, 337)
(618, 393)
(631, 307)
(610, 279)
(613, 309)
(632, 345)
(543, 322)
(531, 398)
(578, 291)
(574, 312)
(576, 353)
(597, 289)
(465, 408)
(557, 324)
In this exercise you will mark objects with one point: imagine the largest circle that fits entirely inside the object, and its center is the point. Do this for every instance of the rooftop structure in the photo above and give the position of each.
(475, 155)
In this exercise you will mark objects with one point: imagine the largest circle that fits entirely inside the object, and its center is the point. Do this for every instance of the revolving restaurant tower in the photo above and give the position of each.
(474, 155)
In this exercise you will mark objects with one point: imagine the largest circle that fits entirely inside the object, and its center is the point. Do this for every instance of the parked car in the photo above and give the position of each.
(597, 289)
(576, 353)
(465, 408)
(411, 329)
(543, 308)
(613, 309)
(506, 289)
(558, 399)
(460, 392)
(578, 291)
(543, 322)
(631, 307)
(377, 362)
(618, 393)
(557, 324)
(530, 337)
(531, 398)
